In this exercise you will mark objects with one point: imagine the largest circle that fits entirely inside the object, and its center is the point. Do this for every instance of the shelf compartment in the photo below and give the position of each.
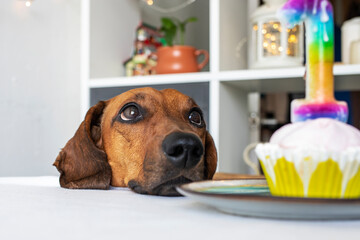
(198, 91)
(112, 25)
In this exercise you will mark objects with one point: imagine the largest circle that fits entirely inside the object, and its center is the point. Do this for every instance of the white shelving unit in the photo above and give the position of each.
(229, 80)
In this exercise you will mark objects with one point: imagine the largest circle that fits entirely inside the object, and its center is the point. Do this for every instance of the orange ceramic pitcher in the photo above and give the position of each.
(179, 59)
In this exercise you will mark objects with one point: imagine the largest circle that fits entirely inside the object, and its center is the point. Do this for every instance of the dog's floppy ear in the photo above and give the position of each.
(210, 157)
(82, 163)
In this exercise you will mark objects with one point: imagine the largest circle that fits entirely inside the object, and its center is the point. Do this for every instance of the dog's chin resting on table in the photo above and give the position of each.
(145, 139)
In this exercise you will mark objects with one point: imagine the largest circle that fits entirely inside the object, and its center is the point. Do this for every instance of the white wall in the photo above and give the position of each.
(39, 83)
(233, 34)
(112, 38)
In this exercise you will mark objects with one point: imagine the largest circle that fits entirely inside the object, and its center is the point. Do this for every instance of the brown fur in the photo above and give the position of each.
(106, 151)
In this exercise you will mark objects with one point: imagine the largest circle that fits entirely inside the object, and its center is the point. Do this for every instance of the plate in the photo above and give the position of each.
(251, 197)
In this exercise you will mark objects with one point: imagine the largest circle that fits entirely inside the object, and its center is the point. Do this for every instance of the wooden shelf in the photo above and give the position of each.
(347, 77)
(259, 80)
(282, 73)
(150, 80)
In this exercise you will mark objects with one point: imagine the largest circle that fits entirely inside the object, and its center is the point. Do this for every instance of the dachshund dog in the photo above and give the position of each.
(145, 139)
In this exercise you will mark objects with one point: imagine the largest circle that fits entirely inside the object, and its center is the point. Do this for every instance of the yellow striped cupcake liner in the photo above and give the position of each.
(310, 172)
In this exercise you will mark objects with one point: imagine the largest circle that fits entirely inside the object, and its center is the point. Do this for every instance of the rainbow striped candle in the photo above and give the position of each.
(319, 25)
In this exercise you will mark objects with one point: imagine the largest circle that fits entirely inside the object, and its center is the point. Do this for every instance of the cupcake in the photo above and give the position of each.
(317, 158)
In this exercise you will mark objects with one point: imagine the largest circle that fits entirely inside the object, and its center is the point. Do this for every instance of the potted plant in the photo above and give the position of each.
(177, 58)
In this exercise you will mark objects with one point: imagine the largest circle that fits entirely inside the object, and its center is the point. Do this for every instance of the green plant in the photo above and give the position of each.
(170, 27)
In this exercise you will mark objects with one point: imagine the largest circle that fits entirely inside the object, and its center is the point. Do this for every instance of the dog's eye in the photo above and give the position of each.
(196, 118)
(130, 113)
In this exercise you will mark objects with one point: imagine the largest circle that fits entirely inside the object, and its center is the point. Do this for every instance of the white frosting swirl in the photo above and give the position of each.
(323, 133)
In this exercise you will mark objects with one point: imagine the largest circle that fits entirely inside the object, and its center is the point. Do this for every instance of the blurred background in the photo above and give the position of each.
(59, 57)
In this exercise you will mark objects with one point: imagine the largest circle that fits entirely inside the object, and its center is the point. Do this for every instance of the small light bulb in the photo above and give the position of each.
(28, 3)
(280, 49)
(292, 39)
(255, 27)
(150, 2)
(273, 38)
(264, 31)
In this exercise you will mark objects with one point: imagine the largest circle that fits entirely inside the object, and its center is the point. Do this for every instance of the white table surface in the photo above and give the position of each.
(37, 208)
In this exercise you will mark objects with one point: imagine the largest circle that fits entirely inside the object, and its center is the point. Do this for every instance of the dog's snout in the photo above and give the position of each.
(183, 150)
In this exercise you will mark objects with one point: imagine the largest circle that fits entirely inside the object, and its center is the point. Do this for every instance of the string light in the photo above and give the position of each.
(167, 8)
(27, 3)
(272, 45)
(292, 38)
(272, 40)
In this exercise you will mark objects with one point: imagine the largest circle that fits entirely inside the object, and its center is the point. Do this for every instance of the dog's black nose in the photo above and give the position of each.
(184, 150)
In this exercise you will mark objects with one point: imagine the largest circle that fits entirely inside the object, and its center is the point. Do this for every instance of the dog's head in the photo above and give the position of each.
(145, 139)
